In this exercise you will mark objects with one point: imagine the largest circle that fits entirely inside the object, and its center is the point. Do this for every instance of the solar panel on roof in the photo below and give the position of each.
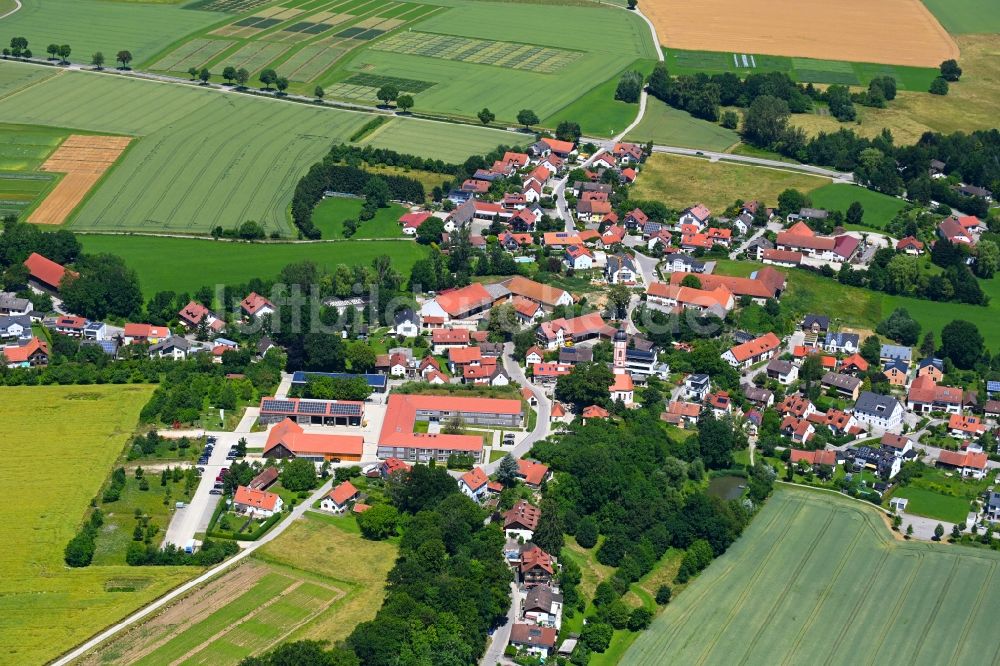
(344, 409)
(278, 406)
(312, 407)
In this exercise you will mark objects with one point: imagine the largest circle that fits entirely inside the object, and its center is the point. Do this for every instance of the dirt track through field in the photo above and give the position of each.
(898, 32)
(84, 159)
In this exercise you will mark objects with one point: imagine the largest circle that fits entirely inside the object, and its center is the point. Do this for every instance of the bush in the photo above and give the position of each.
(378, 522)
(639, 619)
(596, 636)
(586, 532)
(663, 595)
(939, 86)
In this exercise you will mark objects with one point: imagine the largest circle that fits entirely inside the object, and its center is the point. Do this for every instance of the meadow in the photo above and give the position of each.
(817, 578)
(206, 158)
(185, 265)
(863, 308)
(330, 213)
(75, 434)
(680, 181)
(597, 111)
(664, 125)
(318, 580)
(121, 25)
(879, 208)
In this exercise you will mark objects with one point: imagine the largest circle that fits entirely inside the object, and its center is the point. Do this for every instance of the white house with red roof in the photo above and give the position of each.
(339, 498)
(965, 463)
(474, 484)
(753, 351)
(627, 153)
(256, 306)
(696, 215)
(194, 313)
(578, 257)
(144, 333)
(910, 245)
(257, 503)
(412, 221)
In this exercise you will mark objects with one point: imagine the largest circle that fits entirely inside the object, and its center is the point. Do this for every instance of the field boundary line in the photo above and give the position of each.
(806, 556)
(820, 600)
(937, 607)
(972, 618)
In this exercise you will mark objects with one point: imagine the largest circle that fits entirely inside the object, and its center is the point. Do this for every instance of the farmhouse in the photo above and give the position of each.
(718, 301)
(752, 352)
(287, 439)
(45, 273)
(558, 332)
(760, 286)
(546, 296)
(966, 464)
(462, 303)
(313, 412)
(258, 503)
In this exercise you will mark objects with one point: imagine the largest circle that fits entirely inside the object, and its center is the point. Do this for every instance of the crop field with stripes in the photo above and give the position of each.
(200, 158)
(818, 579)
(303, 40)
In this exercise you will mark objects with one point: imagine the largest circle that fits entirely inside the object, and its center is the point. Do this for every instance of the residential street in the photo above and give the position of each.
(498, 641)
(544, 409)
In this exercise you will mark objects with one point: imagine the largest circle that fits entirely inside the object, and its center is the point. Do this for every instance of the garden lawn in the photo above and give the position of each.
(208, 159)
(817, 578)
(680, 182)
(664, 125)
(598, 112)
(879, 208)
(330, 213)
(91, 25)
(67, 438)
(182, 264)
(930, 504)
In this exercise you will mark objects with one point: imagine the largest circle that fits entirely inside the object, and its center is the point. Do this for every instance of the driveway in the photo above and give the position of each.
(543, 409)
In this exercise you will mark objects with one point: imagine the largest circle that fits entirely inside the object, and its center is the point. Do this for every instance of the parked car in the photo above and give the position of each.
(214, 491)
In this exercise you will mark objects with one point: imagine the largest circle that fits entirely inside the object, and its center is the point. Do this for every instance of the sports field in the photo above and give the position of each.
(680, 182)
(663, 124)
(181, 264)
(316, 581)
(76, 432)
(879, 208)
(94, 25)
(847, 30)
(205, 158)
(818, 578)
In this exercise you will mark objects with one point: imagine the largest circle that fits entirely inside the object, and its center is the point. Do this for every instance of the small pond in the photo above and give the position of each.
(726, 487)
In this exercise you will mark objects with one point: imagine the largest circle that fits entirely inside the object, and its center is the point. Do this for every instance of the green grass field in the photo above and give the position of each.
(879, 208)
(601, 41)
(330, 213)
(680, 182)
(961, 17)
(805, 70)
(817, 578)
(92, 25)
(75, 433)
(665, 125)
(180, 264)
(862, 308)
(934, 505)
(597, 111)
(206, 158)
(23, 149)
(316, 581)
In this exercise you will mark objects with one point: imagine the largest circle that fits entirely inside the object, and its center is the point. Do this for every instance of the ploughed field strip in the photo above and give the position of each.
(541, 59)
(227, 6)
(83, 159)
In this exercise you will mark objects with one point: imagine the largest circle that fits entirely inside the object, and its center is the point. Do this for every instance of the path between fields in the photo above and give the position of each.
(177, 592)
(17, 6)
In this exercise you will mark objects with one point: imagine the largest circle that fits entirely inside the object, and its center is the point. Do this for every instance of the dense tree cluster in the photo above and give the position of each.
(449, 586)
(211, 552)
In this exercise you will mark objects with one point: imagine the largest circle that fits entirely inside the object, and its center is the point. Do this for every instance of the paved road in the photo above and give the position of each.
(544, 409)
(187, 521)
(296, 513)
(498, 641)
(17, 6)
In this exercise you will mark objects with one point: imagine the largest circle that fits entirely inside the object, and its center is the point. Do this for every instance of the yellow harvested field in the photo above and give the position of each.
(972, 103)
(899, 32)
(83, 159)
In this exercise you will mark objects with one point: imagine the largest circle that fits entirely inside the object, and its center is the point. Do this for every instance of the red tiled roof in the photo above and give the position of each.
(909, 241)
(815, 457)
(254, 302)
(146, 331)
(45, 270)
(765, 285)
(967, 424)
(258, 499)
(956, 459)
(342, 493)
(194, 312)
(400, 414)
(290, 434)
(463, 355)
(535, 635)
(522, 514)
(855, 361)
(782, 256)
(536, 291)
(460, 301)
(595, 412)
(24, 352)
(559, 146)
(765, 343)
(475, 479)
(532, 472)
(443, 336)
(414, 220)
(688, 409)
